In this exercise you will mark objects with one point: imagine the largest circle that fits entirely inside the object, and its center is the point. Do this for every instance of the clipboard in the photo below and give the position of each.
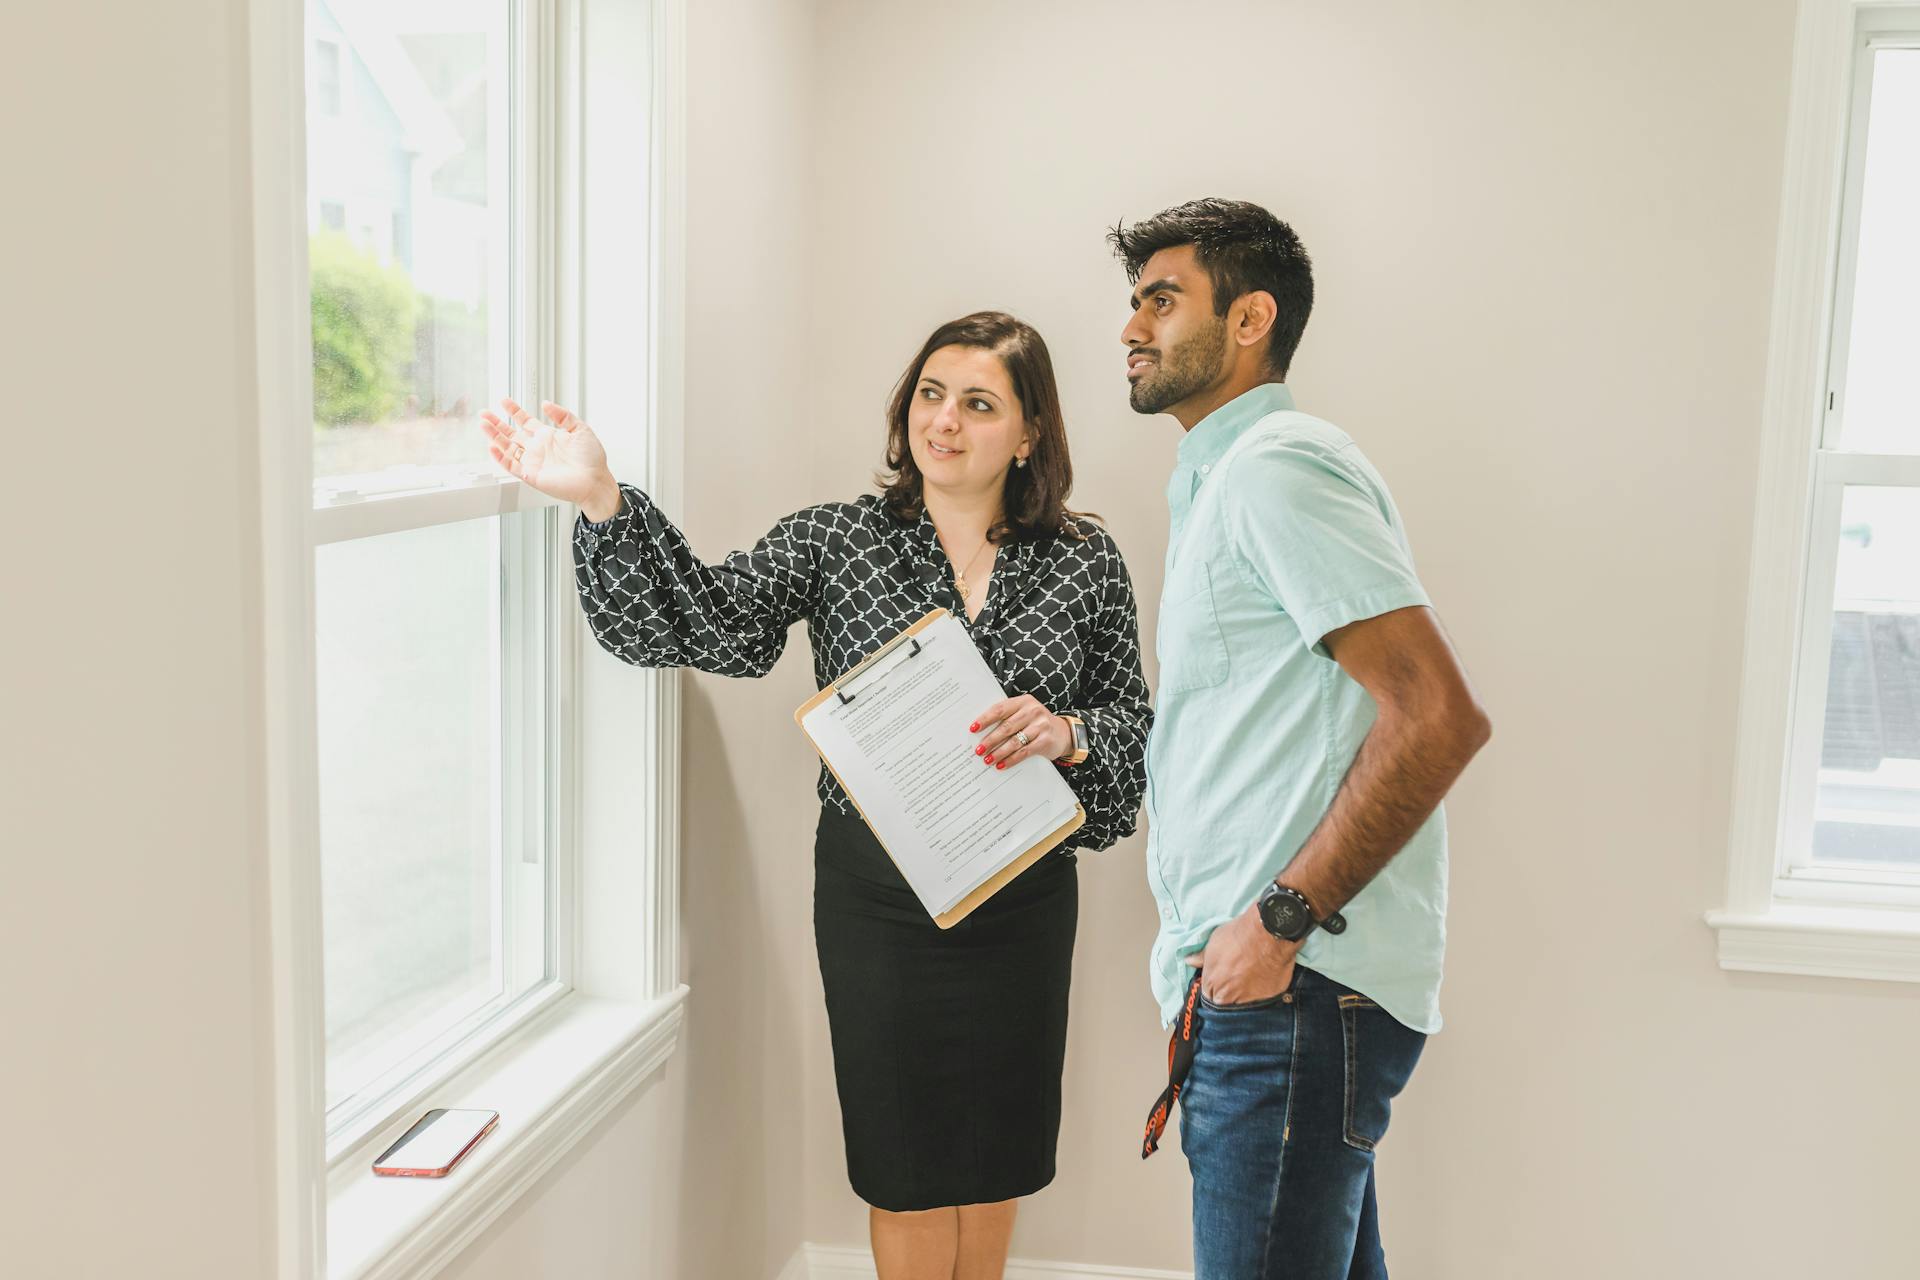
(904, 648)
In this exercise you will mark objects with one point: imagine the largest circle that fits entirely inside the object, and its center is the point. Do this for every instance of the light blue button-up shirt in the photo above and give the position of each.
(1276, 540)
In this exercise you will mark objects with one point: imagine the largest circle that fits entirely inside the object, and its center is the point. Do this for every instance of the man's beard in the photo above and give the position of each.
(1183, 371)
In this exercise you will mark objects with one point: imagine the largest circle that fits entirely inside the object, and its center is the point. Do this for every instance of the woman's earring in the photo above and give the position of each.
(1019, 462)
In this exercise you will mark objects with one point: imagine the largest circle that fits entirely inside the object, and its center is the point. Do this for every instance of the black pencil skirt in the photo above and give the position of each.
(947, 1043)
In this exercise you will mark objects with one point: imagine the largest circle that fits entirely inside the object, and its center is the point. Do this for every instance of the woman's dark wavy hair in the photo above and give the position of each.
(1034, 503)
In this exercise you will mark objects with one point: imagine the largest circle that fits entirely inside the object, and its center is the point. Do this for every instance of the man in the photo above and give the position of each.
(1311, 716)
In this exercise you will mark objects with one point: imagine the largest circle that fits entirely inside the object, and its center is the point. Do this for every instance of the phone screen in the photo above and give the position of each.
(439, 1137)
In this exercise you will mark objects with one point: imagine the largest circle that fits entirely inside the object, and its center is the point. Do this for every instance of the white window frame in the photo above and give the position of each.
(555, 1076)
(1781, 914)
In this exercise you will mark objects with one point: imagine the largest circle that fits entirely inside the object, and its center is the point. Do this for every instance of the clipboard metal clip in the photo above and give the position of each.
(865, 668)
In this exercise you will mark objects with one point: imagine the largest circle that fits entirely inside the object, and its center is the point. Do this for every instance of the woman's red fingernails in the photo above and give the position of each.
(989, 759)
(1001, 765)
(973, 728)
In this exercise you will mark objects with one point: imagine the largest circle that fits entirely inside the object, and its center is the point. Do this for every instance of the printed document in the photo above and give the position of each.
(896, 736)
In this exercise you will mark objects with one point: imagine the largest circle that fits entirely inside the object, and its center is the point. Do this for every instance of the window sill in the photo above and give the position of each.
(550, 1085)
(1823, 941)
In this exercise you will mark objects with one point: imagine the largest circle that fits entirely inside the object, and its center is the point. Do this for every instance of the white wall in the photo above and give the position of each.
(1544, 242)
(134, 1067)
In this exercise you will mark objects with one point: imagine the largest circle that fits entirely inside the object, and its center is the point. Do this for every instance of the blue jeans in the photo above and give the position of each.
(1279, 1118)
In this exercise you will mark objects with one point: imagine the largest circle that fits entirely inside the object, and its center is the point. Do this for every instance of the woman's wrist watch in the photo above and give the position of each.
(1080, 742)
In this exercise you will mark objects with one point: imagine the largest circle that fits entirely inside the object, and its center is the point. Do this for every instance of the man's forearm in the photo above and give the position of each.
(1403, 770)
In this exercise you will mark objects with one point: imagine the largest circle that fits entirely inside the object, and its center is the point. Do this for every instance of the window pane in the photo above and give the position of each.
(406, 175)
(1881, 412)
(1867, 808)
(409, 680)
(326, 78)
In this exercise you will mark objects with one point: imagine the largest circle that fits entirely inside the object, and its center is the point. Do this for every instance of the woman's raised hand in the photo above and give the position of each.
(559, 456)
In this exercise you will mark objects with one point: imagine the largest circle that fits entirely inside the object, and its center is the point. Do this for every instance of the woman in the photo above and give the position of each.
(947, 1045)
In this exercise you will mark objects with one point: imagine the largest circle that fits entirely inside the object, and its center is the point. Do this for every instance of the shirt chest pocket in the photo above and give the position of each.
(1191, 648)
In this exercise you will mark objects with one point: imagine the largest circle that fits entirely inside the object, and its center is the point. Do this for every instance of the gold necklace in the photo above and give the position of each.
(960, 578)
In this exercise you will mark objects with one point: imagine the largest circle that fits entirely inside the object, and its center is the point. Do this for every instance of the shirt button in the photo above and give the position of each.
(1205, 467)
(590, 541)
(1166, 913)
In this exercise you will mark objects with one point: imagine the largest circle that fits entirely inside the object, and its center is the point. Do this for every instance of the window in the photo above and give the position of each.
(1827, 834)
(442, 766)
(436, 679)
(1864, 782)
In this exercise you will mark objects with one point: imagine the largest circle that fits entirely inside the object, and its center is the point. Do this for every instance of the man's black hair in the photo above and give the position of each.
(1244, 249)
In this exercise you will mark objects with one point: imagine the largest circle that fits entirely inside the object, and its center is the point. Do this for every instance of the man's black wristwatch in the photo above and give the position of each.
(1289, 916)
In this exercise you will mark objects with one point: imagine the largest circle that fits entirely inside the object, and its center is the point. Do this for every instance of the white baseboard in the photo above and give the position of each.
(824, 1262)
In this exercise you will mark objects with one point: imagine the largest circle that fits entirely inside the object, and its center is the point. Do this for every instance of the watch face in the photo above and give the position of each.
(1079, 736)
(1285, 916)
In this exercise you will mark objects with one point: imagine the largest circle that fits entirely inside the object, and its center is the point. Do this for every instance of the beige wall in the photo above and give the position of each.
(134, 1063)
(1544, 241)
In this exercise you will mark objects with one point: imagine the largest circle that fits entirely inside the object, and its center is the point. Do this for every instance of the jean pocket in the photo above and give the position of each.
(1192, 650)
(1284, 997)
(1380, 1056)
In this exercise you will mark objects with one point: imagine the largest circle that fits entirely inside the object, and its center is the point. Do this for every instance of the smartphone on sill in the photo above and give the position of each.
(437, 1142)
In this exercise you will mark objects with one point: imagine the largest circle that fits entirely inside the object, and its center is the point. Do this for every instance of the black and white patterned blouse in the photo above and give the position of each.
(1058, 623)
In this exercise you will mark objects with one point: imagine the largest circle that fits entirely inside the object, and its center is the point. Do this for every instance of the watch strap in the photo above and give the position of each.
(1081, 741)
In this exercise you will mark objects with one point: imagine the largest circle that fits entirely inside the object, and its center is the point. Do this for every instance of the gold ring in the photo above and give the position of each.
(1022, 739)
